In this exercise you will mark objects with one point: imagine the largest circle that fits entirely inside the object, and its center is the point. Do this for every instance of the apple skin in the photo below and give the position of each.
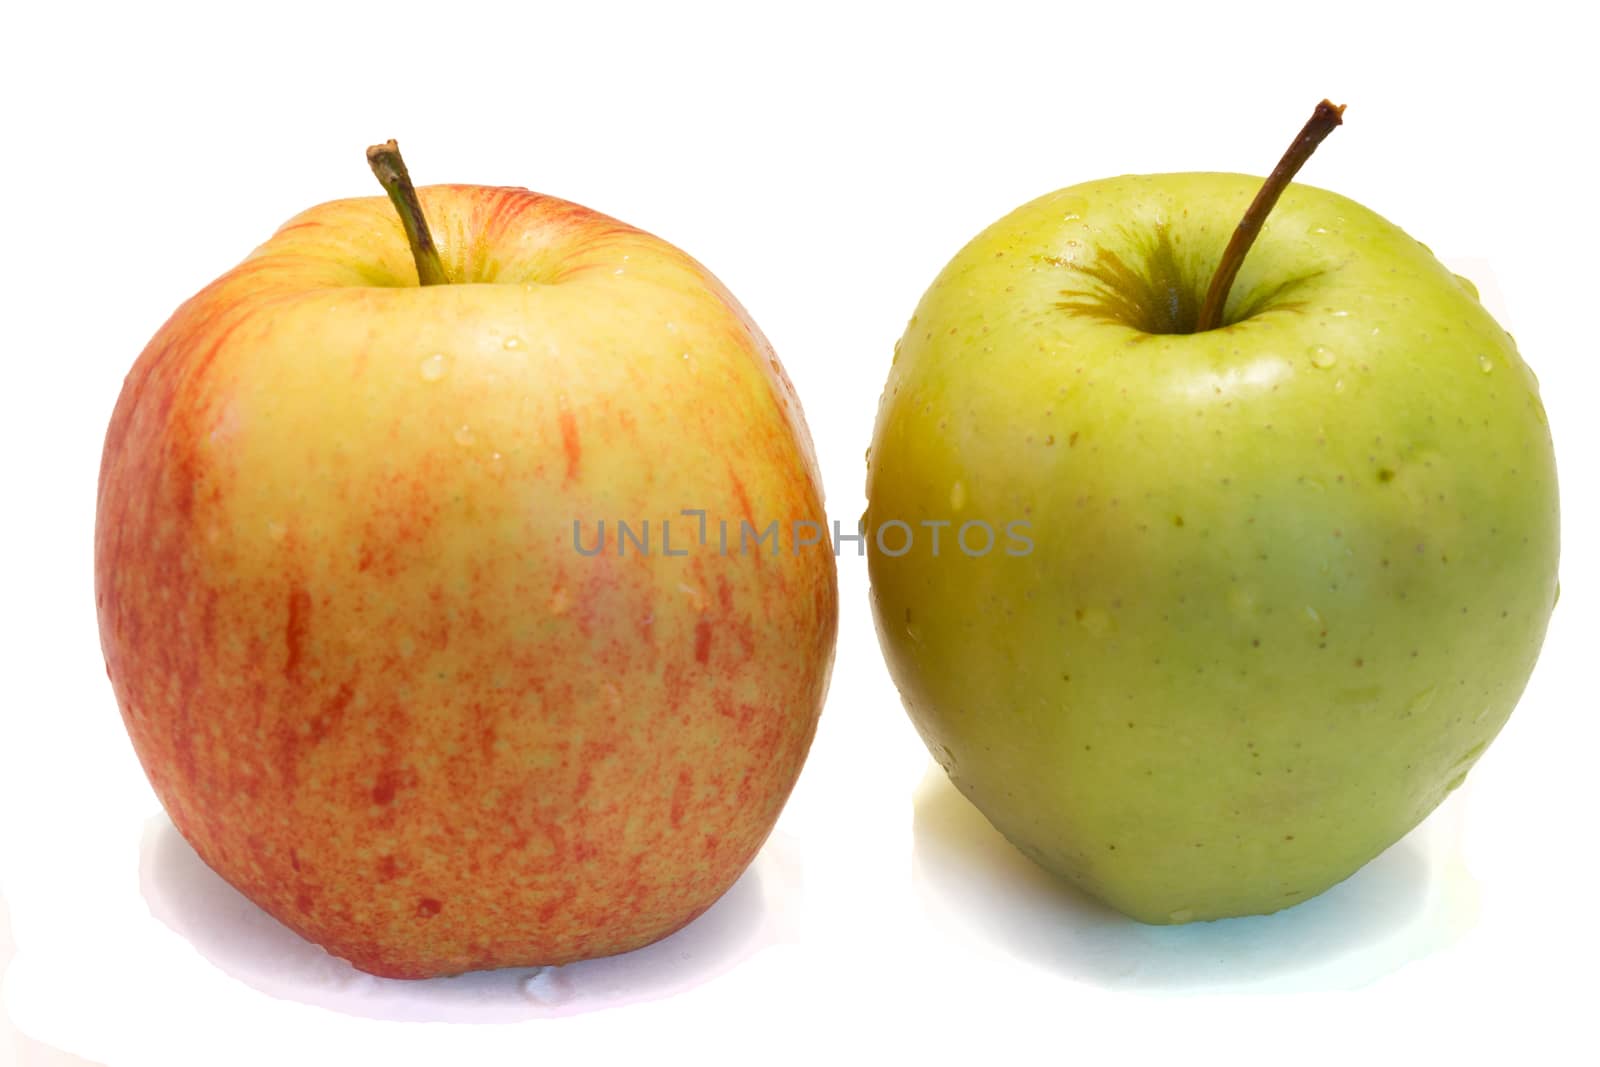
(361, 661)
(1288, 578)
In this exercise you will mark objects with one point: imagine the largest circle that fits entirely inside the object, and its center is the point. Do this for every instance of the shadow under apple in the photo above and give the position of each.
(1414, 899)
(248, 944)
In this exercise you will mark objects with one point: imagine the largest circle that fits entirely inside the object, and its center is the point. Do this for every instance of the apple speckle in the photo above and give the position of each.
(570, 444)
(433, 367)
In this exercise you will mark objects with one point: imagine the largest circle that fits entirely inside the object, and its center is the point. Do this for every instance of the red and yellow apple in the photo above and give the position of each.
(368, 669)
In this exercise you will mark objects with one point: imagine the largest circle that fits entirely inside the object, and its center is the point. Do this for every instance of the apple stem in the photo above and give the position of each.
(385, 161)
(1322, 122)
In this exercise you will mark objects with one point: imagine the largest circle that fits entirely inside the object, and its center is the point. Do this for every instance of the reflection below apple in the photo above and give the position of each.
(249, 945)
(1415, 899)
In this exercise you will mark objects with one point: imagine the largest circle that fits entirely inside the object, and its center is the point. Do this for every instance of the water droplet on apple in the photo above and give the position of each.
(1182, 915)
(548, 987)
(434, 367)
(1486, 364)
(1455, 783)
(1538, 408)
(1338, 386)
(958, 496)
(1341, 314)
(1313, 616)
(1323, 357)
(1466, 283)
(1530, 378)
(513, 342)
(1318, 230)
(1422, 701)
(464, 435)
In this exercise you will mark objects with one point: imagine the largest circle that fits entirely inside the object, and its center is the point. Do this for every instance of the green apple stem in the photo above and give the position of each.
(1322, 122)
(385, 161)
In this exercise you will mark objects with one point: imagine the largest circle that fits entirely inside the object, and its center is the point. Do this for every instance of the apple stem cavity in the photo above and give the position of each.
(1322, 122)
(390, 168)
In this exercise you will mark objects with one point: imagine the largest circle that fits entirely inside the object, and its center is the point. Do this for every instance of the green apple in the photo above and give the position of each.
(1276, 584)
(375, 674)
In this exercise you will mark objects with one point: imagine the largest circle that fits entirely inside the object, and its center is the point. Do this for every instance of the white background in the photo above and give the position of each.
(824, 160)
